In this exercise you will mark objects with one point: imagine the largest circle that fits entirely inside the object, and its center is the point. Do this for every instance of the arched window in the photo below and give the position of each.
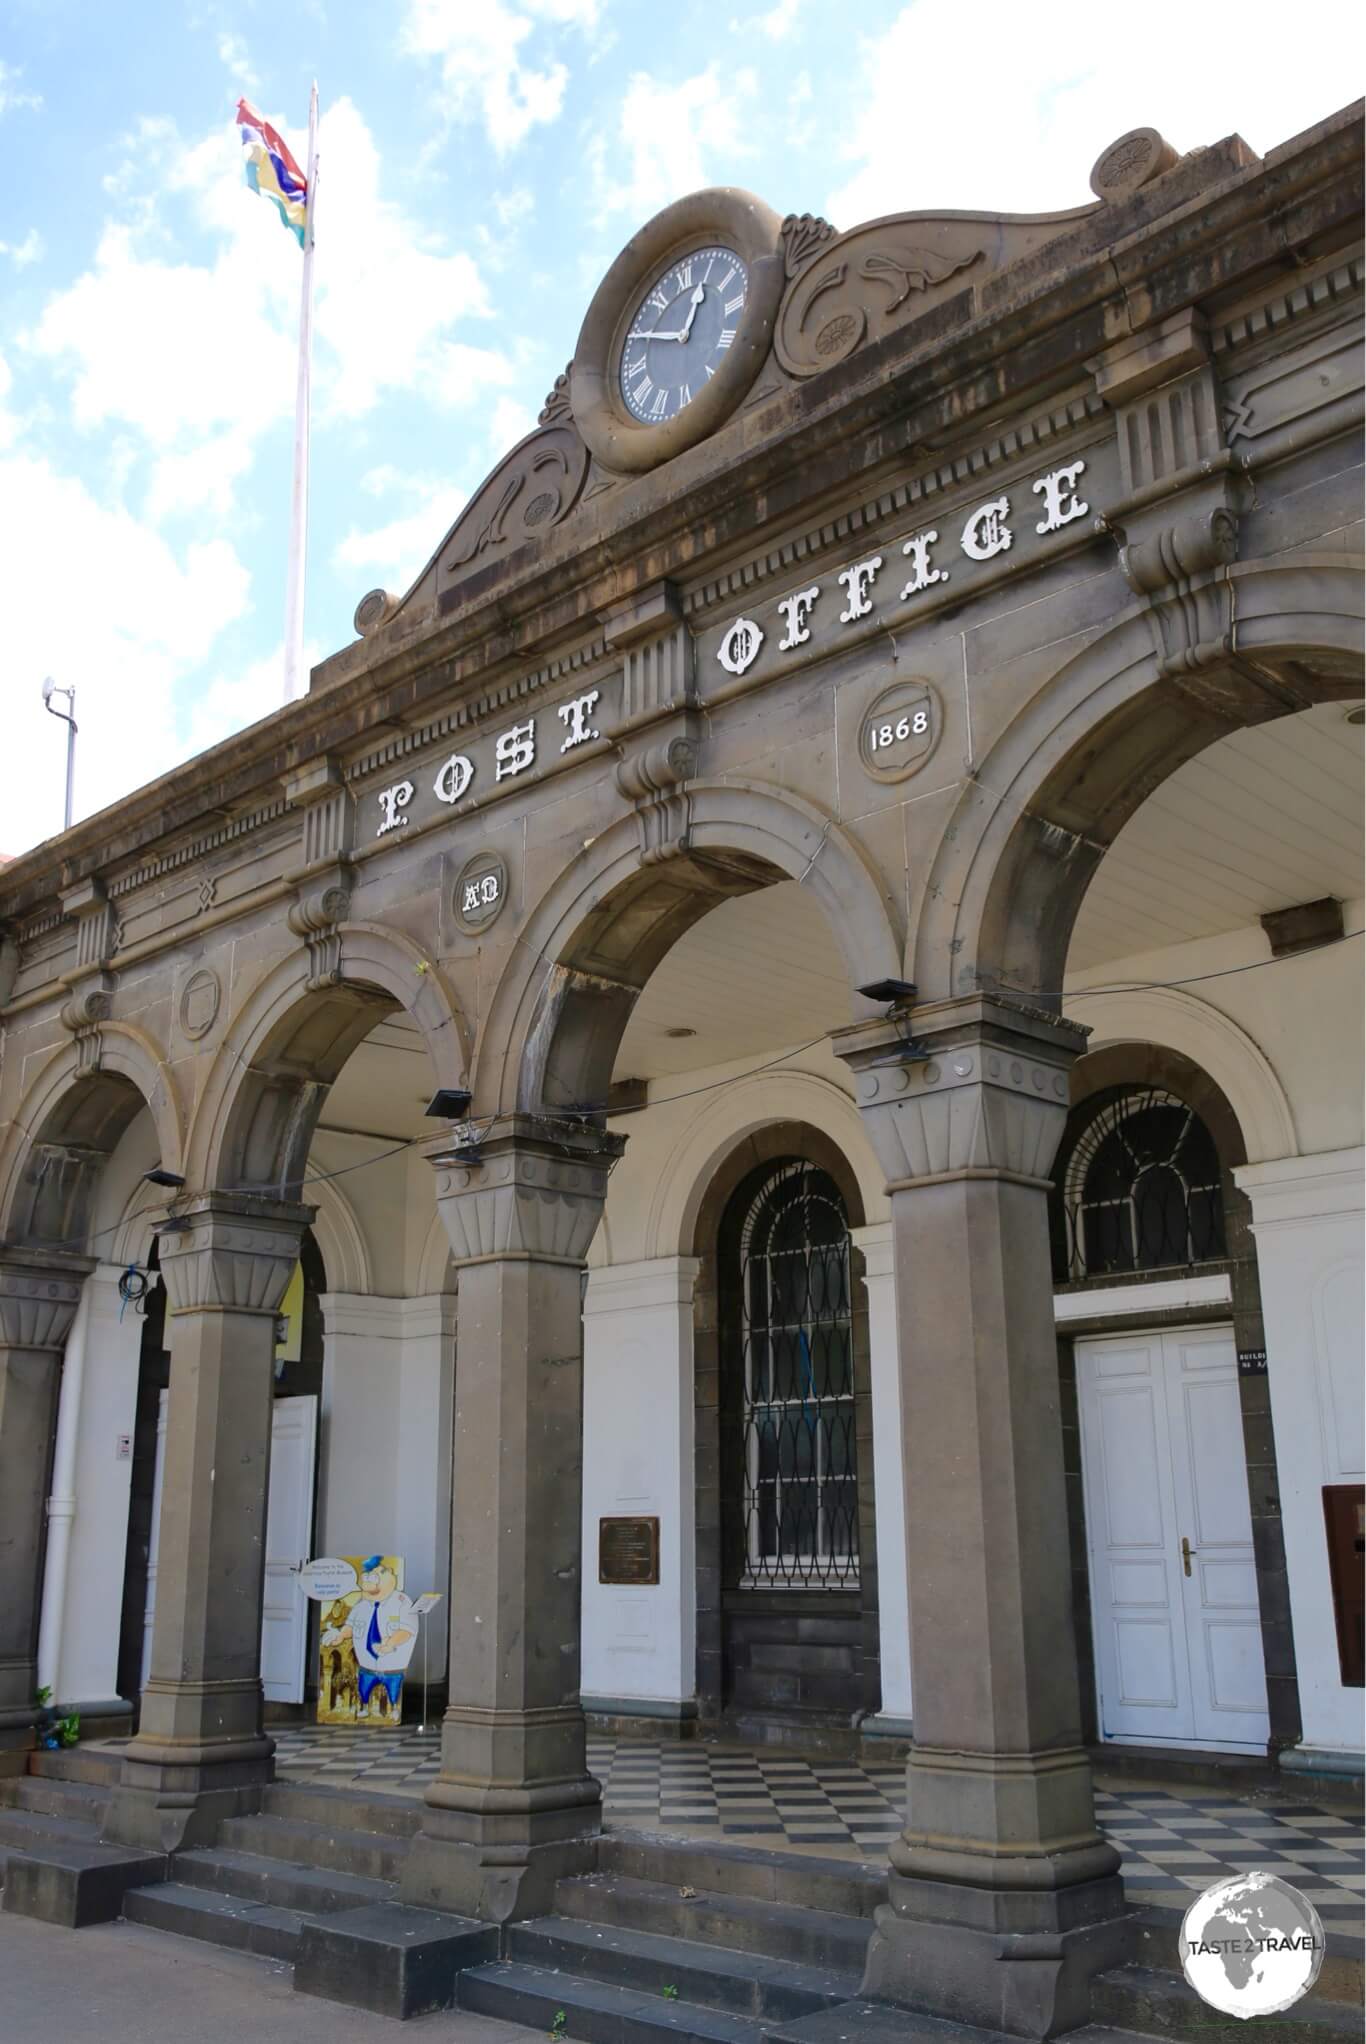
(800, 1472)
(1139, 1187)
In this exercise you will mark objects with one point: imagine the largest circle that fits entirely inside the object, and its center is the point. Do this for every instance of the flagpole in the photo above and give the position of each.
(298, 519)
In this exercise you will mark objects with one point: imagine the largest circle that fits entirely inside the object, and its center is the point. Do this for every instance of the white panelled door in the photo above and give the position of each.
(289, 1543)
(1173, 1584)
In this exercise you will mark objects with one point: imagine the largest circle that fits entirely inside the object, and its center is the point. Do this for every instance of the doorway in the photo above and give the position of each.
(1169, 1530)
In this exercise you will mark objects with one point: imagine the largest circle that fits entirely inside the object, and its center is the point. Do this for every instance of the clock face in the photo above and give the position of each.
(679, 334)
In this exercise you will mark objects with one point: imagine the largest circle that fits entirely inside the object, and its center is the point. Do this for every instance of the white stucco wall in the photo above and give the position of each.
(639, 1643)
(1307, 1218)
(385, 1440)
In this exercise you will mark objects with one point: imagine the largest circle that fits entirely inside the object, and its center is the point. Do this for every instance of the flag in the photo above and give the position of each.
(271, 170)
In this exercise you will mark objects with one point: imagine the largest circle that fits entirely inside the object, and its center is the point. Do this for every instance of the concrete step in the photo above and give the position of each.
(98, 1764)
(745, 1983)
(394, 1816)
(739, 1923)
(874, 2022)
(843, 1887)
(81, 1799)
(307, 1844)
(259, 1927)
(253, 1878)
(559, 2005)
(31, 1830)
(1162, 2004)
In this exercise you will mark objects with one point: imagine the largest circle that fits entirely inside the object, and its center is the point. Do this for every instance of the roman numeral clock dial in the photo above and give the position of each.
(679, 334)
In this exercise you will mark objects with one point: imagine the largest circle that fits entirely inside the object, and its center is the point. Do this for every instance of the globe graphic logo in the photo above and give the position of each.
(1251, 1945)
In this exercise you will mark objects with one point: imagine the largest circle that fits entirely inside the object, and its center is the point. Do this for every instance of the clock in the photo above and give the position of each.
(682, 330)
(678, 329)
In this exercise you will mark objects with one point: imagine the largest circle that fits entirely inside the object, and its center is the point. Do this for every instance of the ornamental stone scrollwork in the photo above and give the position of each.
(864, 284)
(1178, 570)
(92, 985)
(655, 782)
(323, 881)
(529, 492)
(980, 1087)
(557, 408)
(804, 235)
(531, 1187)
(233, 1251)
(1130, 163)
(375, 608)
(39, 1293)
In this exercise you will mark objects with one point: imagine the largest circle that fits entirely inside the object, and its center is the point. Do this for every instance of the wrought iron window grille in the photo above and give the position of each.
(1141, 1190)
(800, 1480)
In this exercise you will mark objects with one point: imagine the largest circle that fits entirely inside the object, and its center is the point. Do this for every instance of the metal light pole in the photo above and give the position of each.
(50, 689)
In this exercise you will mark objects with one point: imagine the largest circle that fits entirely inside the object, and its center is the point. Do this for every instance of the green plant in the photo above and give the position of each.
(670, 1993)
(68, 1729)
(557, 2026)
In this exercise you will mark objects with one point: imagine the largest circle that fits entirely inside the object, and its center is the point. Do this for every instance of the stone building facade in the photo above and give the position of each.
(635, 1007)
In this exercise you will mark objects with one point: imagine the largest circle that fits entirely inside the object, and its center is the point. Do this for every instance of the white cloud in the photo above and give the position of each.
(1038, 114)
(485, 72)
(777, 24)
(22, 253)
(671, 139)
(232, 53)
(387, 300)
(112, 610)
(12, 94)
(398, 550)
(509, 422)
(231, 701)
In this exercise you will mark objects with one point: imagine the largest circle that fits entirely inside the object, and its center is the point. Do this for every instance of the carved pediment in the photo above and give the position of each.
(816, 296)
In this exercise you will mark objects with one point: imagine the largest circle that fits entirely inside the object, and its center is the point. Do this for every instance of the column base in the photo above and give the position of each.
(1024, 1965)
(495, 1853)
(493, 1884)
(172, 1796)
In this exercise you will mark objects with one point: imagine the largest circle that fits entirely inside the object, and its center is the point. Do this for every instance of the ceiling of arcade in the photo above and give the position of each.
(1262, 820)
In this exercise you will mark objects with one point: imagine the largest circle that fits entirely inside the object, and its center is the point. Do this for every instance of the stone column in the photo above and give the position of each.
(514, 1806)
(1004, 1898)
(200, 1754)
(39, 1293)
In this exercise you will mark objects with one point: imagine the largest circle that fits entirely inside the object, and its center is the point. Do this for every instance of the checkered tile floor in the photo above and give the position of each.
(1172, 1843)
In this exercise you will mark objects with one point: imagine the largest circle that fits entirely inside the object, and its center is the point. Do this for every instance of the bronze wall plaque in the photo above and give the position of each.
(628, 1550)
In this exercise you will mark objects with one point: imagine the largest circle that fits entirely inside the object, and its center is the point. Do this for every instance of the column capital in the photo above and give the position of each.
(986, 1093)
(528, 1188)
(40, 1290)
(231, 1251)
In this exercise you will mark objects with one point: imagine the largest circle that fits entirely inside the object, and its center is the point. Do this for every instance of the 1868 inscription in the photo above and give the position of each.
(628, 1550)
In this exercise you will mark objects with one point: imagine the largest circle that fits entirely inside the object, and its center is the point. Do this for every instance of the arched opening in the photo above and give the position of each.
(1182, 1385)
(320, 1096)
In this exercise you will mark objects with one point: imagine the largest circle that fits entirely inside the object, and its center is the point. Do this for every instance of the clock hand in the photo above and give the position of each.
(655, 335)
(697, 298)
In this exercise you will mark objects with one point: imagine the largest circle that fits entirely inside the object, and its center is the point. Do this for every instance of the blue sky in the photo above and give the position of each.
(482, 162)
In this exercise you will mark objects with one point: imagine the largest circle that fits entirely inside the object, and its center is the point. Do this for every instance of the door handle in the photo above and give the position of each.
(1186, 1552)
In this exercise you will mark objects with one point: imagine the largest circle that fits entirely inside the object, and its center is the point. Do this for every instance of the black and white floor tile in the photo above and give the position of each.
(1173, 1843)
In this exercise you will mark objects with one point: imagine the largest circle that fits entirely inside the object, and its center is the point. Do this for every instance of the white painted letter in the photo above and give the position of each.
(1060, 501)
(797, 609)
(574, 717)
(740, 647)
(922, 574)
(857, 580)
(515, 750)
(453, 779)
(985, 534)
(391, 801)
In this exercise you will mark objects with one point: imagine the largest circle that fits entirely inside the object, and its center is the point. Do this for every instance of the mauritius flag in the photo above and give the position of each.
(271, 170)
